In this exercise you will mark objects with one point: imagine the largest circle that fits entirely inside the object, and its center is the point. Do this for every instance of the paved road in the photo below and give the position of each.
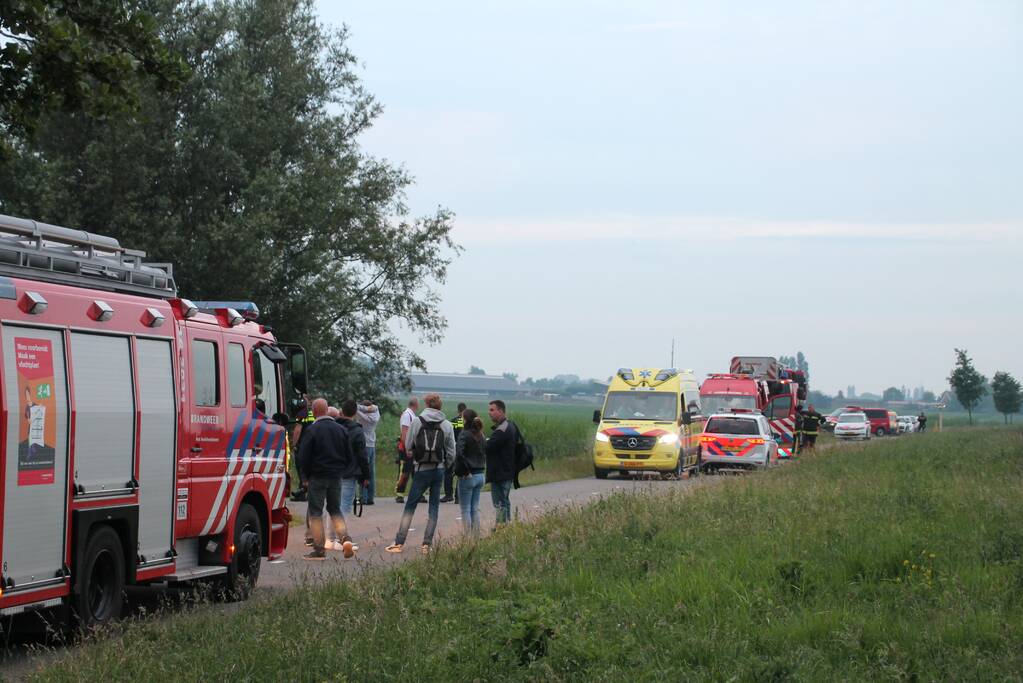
(375, 530)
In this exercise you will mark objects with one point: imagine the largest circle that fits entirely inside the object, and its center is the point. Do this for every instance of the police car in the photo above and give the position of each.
(739, 439)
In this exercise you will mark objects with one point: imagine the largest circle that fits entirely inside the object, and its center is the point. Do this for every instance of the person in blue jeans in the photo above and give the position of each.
(501, 459)
(431, 443)
(368, 416)
(357, 478)
(470, 465)
(325, 459)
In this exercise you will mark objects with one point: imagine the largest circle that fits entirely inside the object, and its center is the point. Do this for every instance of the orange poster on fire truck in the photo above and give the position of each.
(37, 428)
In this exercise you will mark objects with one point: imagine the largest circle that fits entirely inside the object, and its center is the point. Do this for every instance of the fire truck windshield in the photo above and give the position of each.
(722, 404)
(661, 406)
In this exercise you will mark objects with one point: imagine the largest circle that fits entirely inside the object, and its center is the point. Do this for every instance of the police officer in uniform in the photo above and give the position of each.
(458, 423)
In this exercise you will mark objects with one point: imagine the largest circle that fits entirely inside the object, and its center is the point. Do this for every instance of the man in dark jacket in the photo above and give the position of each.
(357, 474)
(811, 427)
(501, 460)
(323, 458)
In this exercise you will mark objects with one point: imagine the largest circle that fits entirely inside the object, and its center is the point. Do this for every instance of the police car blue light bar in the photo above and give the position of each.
(247, 309)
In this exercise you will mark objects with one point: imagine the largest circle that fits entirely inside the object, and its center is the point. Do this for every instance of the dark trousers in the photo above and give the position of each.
(404, 472)
(809, 440)
(449, 476)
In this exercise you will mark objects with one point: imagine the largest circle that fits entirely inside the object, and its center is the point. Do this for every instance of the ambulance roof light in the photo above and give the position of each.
(665, 374)
(626, 374)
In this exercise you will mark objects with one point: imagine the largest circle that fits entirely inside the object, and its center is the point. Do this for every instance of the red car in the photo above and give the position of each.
(882, 421)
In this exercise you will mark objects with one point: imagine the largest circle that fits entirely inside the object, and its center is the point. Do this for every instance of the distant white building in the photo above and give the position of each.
(457, 384)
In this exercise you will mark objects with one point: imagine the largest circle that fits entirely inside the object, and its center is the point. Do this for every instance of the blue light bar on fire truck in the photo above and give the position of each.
(247, 309)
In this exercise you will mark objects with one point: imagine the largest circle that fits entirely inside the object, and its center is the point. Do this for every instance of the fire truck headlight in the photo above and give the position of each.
(668, 439)
(602, 437)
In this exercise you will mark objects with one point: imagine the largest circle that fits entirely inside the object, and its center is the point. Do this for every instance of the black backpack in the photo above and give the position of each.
(428, 446)
(523, 455)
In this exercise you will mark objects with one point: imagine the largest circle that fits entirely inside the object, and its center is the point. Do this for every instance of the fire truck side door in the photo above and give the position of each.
(34, 480)
(205, 438)
(157, 449)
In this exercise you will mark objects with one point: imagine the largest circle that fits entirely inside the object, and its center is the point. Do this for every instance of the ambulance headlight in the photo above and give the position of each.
(668, 439)
(602, 437)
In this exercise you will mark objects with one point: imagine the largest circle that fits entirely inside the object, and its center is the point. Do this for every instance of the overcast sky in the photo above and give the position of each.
(841, 178)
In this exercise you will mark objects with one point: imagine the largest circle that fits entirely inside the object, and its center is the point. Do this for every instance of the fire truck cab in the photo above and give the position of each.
(784, 391)
(142, 435)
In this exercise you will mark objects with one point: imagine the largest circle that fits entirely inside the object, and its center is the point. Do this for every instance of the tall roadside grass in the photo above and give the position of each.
(900, 559)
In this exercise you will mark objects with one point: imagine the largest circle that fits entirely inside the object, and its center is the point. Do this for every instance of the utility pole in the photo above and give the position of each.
(672, 353)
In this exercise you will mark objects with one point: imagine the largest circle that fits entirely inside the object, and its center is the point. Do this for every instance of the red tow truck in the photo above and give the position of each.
(142, 435)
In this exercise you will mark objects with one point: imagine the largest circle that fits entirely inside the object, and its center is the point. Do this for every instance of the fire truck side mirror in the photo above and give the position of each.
(281, 419)
(297, 367)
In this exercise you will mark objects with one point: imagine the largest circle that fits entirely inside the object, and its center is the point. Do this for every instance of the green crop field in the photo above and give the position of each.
(561, 434)
(901, 559)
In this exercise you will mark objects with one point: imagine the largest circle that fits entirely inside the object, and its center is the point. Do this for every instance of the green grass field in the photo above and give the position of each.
(901, 559)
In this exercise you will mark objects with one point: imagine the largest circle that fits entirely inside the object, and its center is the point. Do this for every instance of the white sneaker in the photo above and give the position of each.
(332, 545)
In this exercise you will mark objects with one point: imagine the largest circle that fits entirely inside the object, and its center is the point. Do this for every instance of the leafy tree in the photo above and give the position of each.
(893, 394)
(474, 370)
(1007, 393)
(89, 56)
(510, 375)
(801, 364)
(252, 182)
(928, 397)
(968, 384)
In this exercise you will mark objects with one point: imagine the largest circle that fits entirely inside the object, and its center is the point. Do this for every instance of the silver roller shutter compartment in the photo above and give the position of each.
(104, 413)
(34, 516)
(156, 449)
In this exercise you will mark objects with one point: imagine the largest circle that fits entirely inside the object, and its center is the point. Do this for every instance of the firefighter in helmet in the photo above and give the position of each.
(811, 427)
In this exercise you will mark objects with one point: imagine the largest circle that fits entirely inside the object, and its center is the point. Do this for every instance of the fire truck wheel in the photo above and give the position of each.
(99, 596)
(243, 572)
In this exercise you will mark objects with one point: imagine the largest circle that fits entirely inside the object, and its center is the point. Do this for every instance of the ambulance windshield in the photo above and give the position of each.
(661, 406)
(723, 404)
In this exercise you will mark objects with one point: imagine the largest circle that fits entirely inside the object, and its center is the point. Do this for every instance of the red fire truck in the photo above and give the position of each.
(142, 436)
(758, 383)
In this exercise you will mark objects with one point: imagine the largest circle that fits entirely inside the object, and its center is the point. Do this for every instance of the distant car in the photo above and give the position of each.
(852, 426)
(882, 421)
(740, 440)
(907, 424)
(831, 418)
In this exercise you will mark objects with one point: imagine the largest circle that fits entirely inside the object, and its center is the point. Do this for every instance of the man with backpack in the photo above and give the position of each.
(430, 443)
(502, 469)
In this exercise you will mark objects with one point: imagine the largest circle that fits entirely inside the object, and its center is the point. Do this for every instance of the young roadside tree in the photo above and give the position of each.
(968, 384)
(1007, 393)
(252, 182)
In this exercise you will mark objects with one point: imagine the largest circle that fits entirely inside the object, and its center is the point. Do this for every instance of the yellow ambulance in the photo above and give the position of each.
(651, 422)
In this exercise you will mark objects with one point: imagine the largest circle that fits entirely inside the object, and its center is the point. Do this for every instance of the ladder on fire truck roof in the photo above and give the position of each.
(38, 251)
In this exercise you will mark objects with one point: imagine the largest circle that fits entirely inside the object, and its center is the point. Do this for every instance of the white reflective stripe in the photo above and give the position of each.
(215, 509)
(247, 467)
